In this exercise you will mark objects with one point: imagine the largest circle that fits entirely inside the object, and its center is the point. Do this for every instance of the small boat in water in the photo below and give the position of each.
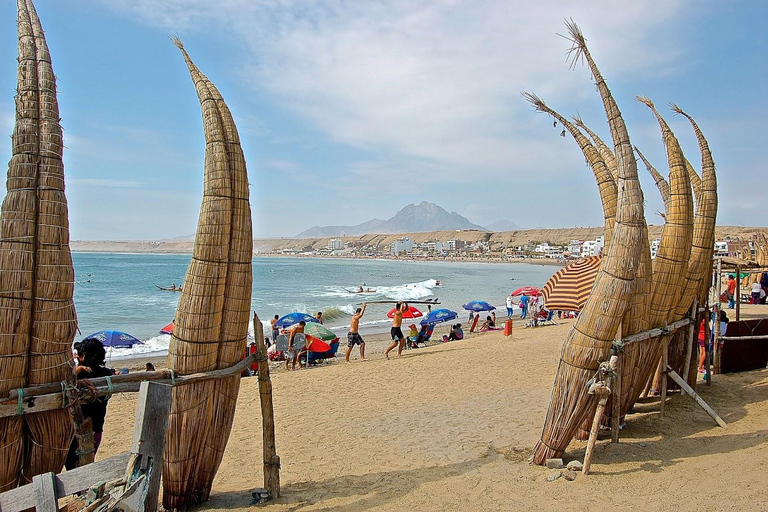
(172, 288)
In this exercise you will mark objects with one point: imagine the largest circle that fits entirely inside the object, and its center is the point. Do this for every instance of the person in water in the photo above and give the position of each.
(396, 331)
(353, 336)
(91, 360)
(319, 317)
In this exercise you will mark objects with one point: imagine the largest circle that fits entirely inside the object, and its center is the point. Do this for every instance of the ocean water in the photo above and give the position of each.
(117, 291)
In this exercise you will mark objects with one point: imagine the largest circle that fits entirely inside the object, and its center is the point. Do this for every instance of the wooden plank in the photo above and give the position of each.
(138, 377)
(44, 489)
(71, 482)
(152, 411)
(596, 421)
(695, 396)
(655, 333)
(689, 346)
(48, 402)
(271, 460)
(616, 411)
(739, 338)
(664, 366)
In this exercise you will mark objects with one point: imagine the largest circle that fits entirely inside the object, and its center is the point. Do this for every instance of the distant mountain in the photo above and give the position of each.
(411, 219)
(503, 225)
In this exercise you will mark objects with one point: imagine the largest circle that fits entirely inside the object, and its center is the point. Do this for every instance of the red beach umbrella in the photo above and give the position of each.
(526, 290)
(168, 329)
(411, 312)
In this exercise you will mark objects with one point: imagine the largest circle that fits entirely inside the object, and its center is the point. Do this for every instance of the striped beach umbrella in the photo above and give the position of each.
(569, 288)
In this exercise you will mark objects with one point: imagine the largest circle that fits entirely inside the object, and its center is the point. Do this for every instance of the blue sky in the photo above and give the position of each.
(351, 110)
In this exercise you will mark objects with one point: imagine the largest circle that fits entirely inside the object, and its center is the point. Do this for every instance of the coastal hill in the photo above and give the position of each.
(495, 239)
(424, 217)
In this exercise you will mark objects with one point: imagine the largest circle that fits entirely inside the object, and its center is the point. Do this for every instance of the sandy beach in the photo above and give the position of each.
(451, 427)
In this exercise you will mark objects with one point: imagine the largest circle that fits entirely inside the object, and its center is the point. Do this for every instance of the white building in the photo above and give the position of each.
(435, 247)
(405, 244)
(655, 247)
(574, 247)
(334, 244)
(721, 248)
(453, 245)
(592, 247)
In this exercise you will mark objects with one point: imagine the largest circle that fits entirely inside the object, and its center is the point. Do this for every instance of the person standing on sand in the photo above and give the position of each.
(396, 331)
(275, 330)
(523, 306)
(731, 291)
(510, 304)
(353, 336)
(293, 352)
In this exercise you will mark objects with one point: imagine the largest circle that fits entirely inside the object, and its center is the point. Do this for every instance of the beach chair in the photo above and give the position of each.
(424, 336)
(281, 343)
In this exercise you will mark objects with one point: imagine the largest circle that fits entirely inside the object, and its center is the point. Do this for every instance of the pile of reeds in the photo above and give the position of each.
(212, 318)
(631, 290)
(37, 314)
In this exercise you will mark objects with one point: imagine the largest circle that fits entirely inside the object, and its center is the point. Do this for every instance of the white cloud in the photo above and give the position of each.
(431, 81)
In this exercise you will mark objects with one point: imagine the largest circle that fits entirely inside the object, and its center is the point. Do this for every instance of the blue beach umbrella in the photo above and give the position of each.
(294, 318)
(478, 305)
(438, 316)
(116, 339)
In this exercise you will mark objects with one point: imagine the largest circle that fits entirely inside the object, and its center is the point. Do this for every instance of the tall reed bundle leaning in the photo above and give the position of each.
(589, 342)
(670, 264)
(212, 318)
(606, 185)
(605, 152)
(37, 314)
(700, 265)
(661, 183)
(707, 202)
(636, 318)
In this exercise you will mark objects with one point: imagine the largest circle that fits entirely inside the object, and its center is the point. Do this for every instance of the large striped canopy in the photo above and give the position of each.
(570, 287)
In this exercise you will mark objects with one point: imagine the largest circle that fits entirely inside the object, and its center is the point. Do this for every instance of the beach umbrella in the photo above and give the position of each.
(168, 329)
(478, 305)
(569, 288)
(411, 312)
(526, 290)
(438, 316)
(294, 318)
(320, 332)
(115, 339)
(314, 344)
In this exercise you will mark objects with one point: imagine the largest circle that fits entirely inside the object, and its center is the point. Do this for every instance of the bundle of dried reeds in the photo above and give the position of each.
(670, 264)
(37, 314)
(606, 185)
(661, 183)
(589, 342)
(214, 308)
(706, 210)
(605, 152)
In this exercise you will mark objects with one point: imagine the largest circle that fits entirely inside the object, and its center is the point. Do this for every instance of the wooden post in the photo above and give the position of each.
(152, 412)
(616, 410)
(664, 361)
(84, 436)
(271, 459)
(44, 488)
(691, 341)
(738, 293)
(699, 400)
(596, 422)
(707, 354)
(716, 339)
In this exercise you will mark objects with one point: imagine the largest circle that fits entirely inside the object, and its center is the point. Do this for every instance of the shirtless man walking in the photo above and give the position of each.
(353, 336)
(396, 332)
